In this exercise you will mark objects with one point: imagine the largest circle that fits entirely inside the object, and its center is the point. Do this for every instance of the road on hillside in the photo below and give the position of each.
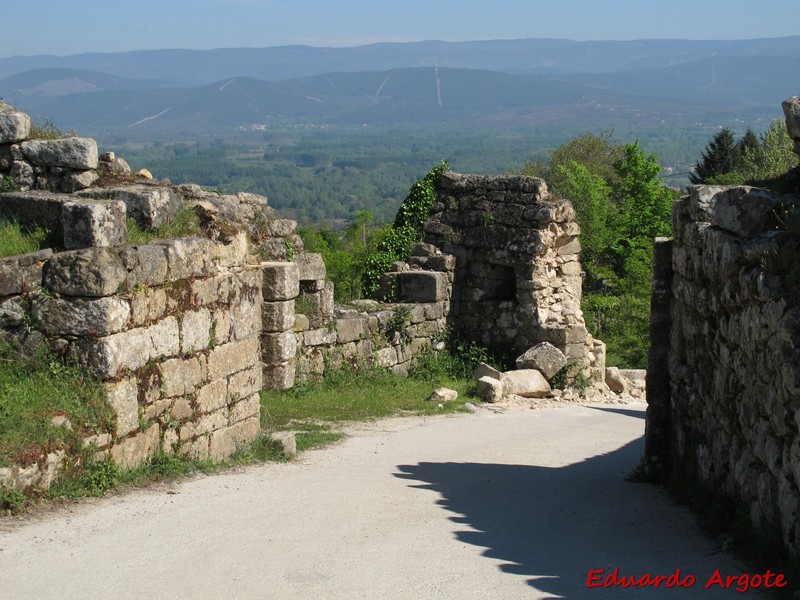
(519, 504)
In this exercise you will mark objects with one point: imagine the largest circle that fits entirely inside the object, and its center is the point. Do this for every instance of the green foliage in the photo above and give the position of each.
(398, 325)
(33, 390)
(622, 205)
(15, 239)
(457, 359)
(12, 501)
(46, 130)
(184, 223)
(722, 155)
(406, 230)
(771, 156)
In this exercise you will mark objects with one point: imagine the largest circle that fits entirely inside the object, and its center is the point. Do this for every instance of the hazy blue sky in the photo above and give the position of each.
(68, 27)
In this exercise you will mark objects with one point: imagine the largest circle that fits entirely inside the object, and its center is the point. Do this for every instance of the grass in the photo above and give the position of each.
(316, 411)
(184, 223)
(16, 240)
(34, 390)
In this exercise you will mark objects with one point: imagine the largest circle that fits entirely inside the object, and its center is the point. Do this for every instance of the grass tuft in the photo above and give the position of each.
(16, 240)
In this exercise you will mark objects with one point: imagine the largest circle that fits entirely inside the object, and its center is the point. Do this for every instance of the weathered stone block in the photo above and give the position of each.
(195, 330)
(188, 258)
(246, 408)
(15, 125)
(224, 442)
(741, 210)
(134, 349)
(615, 381)
(545, 358)
(421, 286)
(277, 316)
(229, 358)
(213, 396)
(528, 383)
(245, 383)
(147, 265)
(123, 397)
(443, 394)
(180, 376)
(81, 317)
(286, 441)
(90, 272)
(280, 281)
(94, 223)
(278, 348)
(279, 377)
(350, 330)
(151, 206)
(72, 153)
(147, 306)
(490, 389)
(311, 267)
(246, 318)
(133, 451)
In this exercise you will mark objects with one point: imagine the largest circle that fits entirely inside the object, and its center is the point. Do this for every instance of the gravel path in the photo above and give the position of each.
(520, 504)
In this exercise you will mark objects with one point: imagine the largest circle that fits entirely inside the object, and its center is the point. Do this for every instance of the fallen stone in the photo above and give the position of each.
(545, 358)
(484, 370)
(443, 394)
(15, 125)
(286, 442)
(71, 153)
(528, 383)
(615, 381)
(490, 389)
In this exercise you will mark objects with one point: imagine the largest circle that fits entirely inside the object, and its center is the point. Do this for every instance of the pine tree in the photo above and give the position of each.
(721, 157)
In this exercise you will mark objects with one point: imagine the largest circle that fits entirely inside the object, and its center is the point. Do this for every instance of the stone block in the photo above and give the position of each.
(78, 180)
(195, 330)
(196, 449)
(280, 281)
(351, 330)
(247, 408)
(279, 377)
(151, 206)
(741, 210)
(544, 357)
(146, 265)
(421, 286)
(81, 317)
(232, 357)
(245, 383)
(180, 376)
(147, 306)
(286, 442)
(188, 258)
(615, 381)
(443, 394)
(123, 397)
(278, 316)
(72, 153)
(224, 442)
(310, 266)
(212, 396)
(15, 125)
(484, 370)
(490, 389)
(134, 348)
(246, 318)
(91, 272)
(133, 451)
(277, 348)
(791, 110)
(528, 383)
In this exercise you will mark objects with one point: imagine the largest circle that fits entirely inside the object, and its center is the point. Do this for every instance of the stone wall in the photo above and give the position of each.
(170, 328)
(725, 408)
(517, 277)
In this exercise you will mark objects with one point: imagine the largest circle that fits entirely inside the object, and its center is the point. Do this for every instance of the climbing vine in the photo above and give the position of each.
(405, 231)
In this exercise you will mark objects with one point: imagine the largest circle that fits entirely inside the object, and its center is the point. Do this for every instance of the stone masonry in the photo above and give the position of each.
(724, 373)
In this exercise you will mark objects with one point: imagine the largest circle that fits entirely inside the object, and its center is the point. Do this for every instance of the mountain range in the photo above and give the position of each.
(490, 83)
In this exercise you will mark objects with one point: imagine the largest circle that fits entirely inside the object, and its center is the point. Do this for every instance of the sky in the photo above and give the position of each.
(63, 27)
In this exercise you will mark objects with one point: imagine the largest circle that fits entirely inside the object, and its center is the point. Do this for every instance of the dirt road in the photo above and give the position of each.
(523, 504)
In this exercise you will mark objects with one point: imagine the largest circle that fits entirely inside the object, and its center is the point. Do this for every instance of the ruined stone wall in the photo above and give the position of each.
(517, 277)
(305, 333)
(170, 328)
(725, 409)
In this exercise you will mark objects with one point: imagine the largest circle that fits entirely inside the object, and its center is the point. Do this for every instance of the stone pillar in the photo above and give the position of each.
(281, 285)
(659, 415)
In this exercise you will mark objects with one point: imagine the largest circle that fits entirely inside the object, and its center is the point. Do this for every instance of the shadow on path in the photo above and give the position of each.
(553, 525)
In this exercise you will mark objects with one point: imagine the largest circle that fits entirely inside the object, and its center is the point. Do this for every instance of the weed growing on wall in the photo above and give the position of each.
(15, 239)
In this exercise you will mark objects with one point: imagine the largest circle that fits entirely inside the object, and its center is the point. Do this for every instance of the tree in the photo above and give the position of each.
(720, 157)
(771, 157)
